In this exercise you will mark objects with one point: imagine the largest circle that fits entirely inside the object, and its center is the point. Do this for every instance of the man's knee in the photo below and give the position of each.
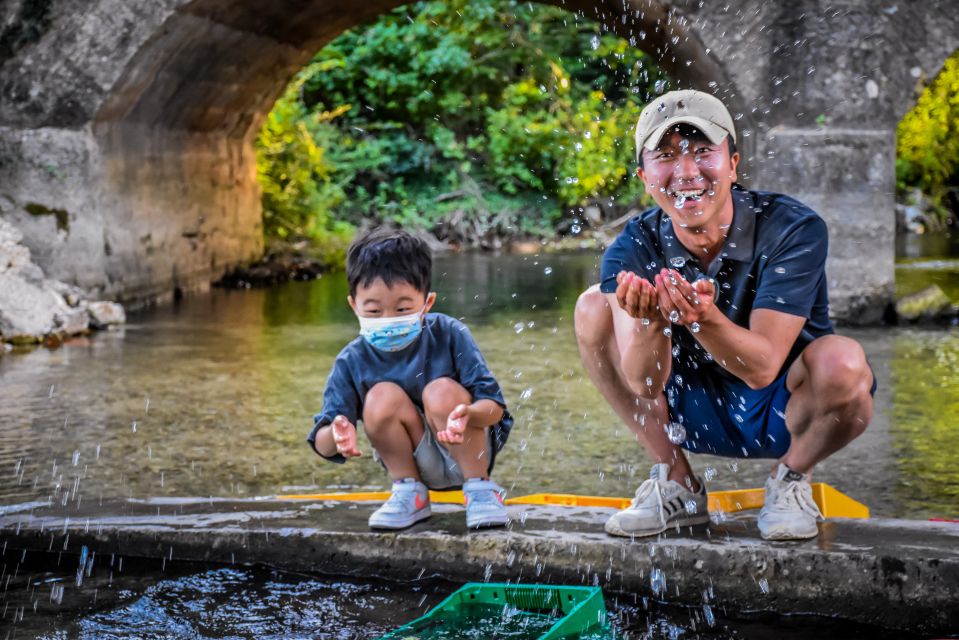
(592, 317)
(443, 394)
(382, 404)
(837, 366)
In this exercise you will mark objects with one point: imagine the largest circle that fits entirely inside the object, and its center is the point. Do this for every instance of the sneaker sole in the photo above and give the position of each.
(487, 523)
(419, 516)
(616, 530)
(789, 535)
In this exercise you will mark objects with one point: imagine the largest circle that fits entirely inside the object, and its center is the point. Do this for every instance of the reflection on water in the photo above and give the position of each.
(214, 397)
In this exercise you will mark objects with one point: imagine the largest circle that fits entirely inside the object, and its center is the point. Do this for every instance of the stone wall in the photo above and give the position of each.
(126, 127)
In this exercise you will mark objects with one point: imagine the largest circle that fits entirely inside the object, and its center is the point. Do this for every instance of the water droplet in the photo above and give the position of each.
(657, 581)
(518, 327)
(667, 332)
(678, 261)
(594, 42)
(780, 269)
(709, 473)
(575, 229)
(691, 507)
(676, 351)
(649, 382)
(526, 393)
(676, 433)
(674, 316)
(764, 585)
(708, 614)
(644, 322)
(679, 379)
(694, 327)
(548, 270)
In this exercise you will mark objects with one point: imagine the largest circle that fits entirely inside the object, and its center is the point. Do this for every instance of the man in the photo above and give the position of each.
(709, 330)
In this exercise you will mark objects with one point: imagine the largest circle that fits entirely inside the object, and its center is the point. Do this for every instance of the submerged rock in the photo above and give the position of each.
(929, 305)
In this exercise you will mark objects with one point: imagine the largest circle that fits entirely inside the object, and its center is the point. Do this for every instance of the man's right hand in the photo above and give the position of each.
(637, 297)
(344, 436)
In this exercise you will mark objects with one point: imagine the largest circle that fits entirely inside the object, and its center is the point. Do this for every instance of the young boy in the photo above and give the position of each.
(430, 407)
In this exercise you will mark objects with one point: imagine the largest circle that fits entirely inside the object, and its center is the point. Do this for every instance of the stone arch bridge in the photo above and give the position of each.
(126, 126)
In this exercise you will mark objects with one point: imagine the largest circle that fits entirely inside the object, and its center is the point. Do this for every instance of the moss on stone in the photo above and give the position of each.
(62, 215)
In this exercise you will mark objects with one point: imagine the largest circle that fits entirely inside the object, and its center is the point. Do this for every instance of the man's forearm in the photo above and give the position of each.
(742, 352)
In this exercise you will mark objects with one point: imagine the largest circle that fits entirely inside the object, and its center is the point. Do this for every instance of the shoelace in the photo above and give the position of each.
(793, 495)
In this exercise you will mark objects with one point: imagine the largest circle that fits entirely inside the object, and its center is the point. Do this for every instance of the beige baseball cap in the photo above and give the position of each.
(701, 110)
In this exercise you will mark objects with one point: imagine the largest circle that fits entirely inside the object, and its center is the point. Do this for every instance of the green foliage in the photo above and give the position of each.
(470, 118)
(298, 192)
(928, 141)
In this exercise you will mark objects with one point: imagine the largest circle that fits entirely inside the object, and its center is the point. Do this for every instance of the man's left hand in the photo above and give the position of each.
(683, 303)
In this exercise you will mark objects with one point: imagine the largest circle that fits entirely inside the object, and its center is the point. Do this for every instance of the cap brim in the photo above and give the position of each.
(711, 130)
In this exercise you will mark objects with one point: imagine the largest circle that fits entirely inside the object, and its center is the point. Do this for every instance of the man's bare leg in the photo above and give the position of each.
(598, 322)
(830, 405)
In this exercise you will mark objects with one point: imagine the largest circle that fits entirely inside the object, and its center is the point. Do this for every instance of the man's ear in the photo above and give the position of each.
(733, 163)
(430, 300)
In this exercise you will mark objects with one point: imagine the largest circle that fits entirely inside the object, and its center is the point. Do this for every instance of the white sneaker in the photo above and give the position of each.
(789, 512)
(484, 504)
(409, 504)
(659, 505)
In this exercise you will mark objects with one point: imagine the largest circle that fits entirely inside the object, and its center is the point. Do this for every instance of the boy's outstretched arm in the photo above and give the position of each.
(337, 437)
(481, 414)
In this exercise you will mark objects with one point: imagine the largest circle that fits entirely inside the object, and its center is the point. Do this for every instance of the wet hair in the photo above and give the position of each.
(694, 134)
(391, 254)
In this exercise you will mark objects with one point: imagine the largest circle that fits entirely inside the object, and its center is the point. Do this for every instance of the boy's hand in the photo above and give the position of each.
(344, 435)
(455, 425)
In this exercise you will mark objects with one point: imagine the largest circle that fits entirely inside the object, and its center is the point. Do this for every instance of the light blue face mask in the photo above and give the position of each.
(392, 334)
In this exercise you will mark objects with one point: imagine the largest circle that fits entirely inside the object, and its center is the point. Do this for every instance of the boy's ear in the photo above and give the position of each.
(352, 303)
(430, 299)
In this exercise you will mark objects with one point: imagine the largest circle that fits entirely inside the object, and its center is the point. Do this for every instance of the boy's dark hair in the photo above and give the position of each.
(391, 254)
(689, 131)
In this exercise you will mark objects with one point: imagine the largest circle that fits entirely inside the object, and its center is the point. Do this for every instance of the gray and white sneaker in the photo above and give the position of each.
(484, 504)
(660, 504)
(789, 511)
(409, 504)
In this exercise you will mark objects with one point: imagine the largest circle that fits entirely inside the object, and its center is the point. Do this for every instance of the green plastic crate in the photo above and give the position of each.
(521, 611)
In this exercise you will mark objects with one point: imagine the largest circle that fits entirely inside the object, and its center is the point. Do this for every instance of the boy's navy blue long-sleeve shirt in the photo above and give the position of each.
(445, 349)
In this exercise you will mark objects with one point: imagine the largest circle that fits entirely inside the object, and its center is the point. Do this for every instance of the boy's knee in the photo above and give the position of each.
(382, 403)
(444, 393)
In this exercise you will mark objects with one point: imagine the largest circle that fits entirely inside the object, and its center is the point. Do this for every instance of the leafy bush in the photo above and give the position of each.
(927, 154)
(469, 118)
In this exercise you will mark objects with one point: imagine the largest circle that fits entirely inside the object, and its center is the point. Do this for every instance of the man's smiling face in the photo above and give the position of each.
(689, 177)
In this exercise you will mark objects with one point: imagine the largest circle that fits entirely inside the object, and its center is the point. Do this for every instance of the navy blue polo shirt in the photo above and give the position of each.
(774, 257)
(445, 349)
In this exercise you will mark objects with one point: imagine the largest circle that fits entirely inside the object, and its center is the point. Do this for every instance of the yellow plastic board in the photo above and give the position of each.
(832, 503)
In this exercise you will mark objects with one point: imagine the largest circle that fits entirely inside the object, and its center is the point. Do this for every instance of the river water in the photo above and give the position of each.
(213, 396)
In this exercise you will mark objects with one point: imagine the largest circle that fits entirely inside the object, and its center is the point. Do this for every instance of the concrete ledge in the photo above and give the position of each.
(894, 573)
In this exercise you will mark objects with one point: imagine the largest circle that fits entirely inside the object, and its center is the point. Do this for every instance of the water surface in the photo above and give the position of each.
(214, 396)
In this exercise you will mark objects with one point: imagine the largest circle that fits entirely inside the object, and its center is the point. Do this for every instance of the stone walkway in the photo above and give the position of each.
(895, 573)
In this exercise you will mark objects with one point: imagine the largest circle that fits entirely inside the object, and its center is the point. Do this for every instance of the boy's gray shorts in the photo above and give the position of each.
(437, 467)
